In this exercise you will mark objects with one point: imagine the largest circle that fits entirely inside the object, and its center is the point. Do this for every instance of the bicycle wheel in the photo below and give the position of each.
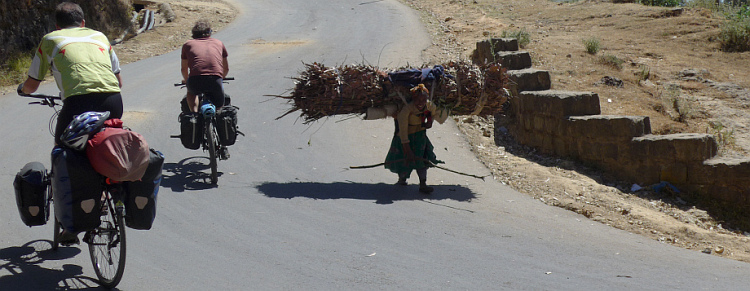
(56, 237)
(56, 228)
(107, 246)
(212, 150)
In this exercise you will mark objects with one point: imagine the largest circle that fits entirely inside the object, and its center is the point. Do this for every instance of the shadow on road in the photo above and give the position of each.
(380, 193)
(191, 173)
(26, 273)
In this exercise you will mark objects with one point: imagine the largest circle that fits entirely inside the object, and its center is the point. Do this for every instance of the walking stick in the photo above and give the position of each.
(429, 163)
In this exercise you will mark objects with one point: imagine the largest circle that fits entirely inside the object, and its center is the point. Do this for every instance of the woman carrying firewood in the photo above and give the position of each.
(410, 148)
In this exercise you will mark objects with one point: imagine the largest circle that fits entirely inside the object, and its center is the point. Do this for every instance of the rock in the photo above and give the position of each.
(610, 81)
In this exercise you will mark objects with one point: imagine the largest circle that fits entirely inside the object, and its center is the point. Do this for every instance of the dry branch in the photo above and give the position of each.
(322, 91)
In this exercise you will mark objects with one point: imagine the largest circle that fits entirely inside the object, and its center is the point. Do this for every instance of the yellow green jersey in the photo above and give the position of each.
(81, 60)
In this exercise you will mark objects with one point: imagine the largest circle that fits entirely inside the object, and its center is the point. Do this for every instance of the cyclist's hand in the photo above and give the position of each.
(19, 90)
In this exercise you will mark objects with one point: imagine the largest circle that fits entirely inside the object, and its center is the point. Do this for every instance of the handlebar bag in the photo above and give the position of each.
(140, 196)
(191, 130)
(76, 189)
(118, 153)
(31, 194)
(226, 125)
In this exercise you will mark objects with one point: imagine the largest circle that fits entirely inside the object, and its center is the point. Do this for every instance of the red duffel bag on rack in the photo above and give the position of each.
(117, 153)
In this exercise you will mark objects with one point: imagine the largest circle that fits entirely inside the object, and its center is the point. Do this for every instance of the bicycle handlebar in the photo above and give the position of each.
(48, 100)
(183, 84)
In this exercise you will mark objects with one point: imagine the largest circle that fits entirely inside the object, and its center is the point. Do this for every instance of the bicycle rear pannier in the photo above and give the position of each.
(140, 196)
(118, 153)
(77, 190)
(226, 124)
(31, 194)
(191, 130)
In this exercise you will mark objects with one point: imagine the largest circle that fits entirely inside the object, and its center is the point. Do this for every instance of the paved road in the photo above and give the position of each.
(288, 215)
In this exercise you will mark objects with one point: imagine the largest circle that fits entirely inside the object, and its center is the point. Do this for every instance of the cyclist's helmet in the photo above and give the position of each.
(81, 128)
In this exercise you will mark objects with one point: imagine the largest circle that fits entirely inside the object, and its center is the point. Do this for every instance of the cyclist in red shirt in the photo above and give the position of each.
(204, 66)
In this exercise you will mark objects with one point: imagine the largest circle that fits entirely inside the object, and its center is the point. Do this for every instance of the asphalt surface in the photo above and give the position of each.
(288, 214)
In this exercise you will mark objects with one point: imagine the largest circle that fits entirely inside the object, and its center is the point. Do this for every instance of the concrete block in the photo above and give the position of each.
(485, 49)
(612, 127)
(560, 104)
(528, 80)
(657, 148)
(675, 173)
(518, 60)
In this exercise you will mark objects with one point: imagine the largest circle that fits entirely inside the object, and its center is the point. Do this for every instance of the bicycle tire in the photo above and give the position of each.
(56, 228)
(56, 236)
(107, 246)
(212, 151)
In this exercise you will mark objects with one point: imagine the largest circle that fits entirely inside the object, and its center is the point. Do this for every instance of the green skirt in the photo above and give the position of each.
(421, 147)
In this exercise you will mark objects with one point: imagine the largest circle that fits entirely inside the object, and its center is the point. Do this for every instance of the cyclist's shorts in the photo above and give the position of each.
(210, 85)
(78, 104)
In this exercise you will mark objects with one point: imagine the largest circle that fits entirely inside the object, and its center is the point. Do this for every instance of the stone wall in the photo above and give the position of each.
(24, 22)
(570, 124)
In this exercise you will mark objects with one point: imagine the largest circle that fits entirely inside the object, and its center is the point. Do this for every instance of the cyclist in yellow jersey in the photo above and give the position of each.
(84, 65)
(85, 68)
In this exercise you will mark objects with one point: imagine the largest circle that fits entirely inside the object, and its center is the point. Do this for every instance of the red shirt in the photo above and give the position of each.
(204, 56)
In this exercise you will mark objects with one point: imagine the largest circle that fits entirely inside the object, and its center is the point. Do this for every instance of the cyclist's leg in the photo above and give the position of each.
(193, 86)
(192, 101)
(214, 88)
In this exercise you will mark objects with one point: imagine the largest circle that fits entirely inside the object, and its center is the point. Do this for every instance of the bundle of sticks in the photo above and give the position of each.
(463, 89)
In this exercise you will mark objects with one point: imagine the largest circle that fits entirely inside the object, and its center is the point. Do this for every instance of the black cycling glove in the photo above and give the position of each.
(20, 89)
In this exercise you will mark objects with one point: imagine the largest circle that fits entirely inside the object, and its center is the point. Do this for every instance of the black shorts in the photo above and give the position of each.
(75, 105)
(211, 86)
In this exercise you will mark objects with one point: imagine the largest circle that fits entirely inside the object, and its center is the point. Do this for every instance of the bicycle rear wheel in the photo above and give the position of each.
(212, 151)
(107, 246)
(56, 228)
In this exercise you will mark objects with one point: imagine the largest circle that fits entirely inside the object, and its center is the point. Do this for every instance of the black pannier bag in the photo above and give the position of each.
(191, 130)
(226, 124)
(31, 194)
(77, 190)
(140, 196)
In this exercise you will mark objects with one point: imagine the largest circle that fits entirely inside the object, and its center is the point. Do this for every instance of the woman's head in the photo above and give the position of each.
(419, 95)
(201, 29)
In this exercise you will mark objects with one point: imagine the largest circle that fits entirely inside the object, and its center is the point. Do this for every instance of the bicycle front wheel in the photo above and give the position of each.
(107, 246)
(211, 138)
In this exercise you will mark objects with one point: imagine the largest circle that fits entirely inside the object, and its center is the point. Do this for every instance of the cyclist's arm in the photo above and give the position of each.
(184, 70)
(31, 85)
(225, 64)
(119, 79)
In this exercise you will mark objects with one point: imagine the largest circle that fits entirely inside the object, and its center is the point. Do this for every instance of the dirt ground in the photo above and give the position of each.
(683, 61)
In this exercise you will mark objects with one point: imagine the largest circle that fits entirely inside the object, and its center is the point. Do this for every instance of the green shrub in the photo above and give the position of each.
(678, 108)
(724, 136)
(523, 36)
(612, 61)
(15, 69)
(644, 72)
(663, 3)
(707, 4)
(735, 35)
(591, 45)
